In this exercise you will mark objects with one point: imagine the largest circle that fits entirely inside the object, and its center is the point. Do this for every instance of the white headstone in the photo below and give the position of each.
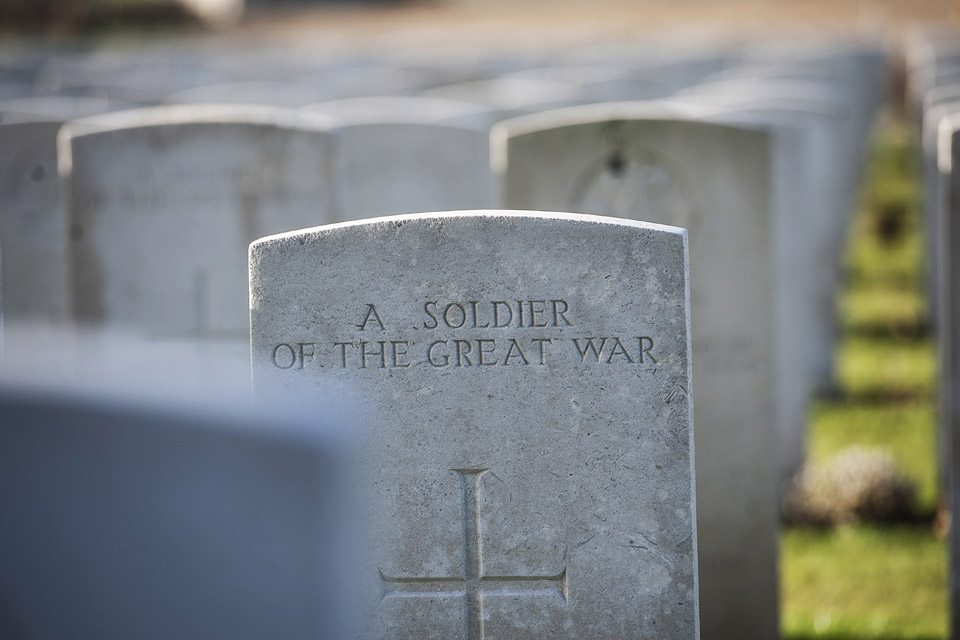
(528, 378)
(33, 224)
(166, 519)
(278, 94)
(618, 160)
(163, 203)
(395, 166)
(949, 341)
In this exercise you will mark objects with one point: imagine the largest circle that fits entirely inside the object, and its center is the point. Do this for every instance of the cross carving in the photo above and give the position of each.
(472, 584)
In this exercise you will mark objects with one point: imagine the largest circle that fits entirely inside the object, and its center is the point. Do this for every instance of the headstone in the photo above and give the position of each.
(805, 269)
(170, 519)
(33, 227)
(949, 343)
(937, 104)
(395, 166)
(163, 203)
(33, 222)
(399, 109)
(618, 160)
(527, 375)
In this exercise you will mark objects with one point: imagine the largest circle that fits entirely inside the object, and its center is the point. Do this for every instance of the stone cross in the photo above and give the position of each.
(472, 583)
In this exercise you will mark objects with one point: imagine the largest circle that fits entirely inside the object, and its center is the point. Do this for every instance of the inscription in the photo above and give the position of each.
(370, 349)
(472, 583)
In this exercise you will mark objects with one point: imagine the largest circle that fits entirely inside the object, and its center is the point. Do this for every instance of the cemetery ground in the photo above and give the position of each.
(877, 581)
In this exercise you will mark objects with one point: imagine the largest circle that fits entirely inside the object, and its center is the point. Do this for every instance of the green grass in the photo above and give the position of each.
(864, 582)
(876, 582)
(892, 368)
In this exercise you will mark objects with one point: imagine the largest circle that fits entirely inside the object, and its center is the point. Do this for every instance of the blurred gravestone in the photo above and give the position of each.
(161, 519)
(618, 160)
(395, 166)
(163, 203)
(949, 340)
(528, 376)
(33, 225)
(807, 200)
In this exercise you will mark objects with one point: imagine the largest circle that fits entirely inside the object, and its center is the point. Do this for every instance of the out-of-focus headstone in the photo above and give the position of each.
(146, 77)
(618, 160)
(278, 94)
(163, 203)
(396, 166)
(153, 518)
(404, 109)
(949, 341)
(529, 378)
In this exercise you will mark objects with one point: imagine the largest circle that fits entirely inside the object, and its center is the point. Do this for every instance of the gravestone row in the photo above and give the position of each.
(540, 480)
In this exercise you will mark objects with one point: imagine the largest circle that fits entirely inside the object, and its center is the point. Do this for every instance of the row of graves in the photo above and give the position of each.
(933, 92)
(563, 410)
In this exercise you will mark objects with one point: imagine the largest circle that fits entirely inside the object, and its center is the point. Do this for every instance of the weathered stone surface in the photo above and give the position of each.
(807, 202)
(164, 202)
(33, 225)
(528, 378)
(714, 180)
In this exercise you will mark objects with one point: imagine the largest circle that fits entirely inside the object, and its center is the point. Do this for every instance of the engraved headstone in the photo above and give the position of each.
(163, 203)
(618, 160)
(527, 376)
(938, 104)
(169, 518)
(33, 226)
(405, 109)
(510, 97)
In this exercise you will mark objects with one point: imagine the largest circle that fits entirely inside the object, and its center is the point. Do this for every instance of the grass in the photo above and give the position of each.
(886, 369)
(871, 582)
(891, 585)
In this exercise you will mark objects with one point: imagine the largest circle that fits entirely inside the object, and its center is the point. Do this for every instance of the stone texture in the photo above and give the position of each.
(527, 376)
(164, 202)
(620, 160)
(807, 202)
(278, 94)
(166, 519)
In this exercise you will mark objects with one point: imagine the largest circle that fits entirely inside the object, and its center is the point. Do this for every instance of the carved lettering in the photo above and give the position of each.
(437, 362)
(468, 350)
(364, 354)
(372, 313)
(278, 358)
(590, 346)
